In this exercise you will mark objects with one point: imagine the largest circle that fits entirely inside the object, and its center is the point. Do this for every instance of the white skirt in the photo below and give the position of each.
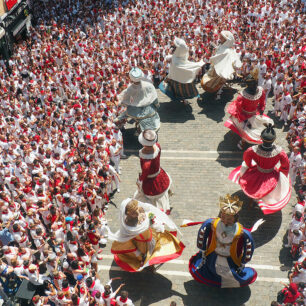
(278, 198)
(252, 134)
(161, 201)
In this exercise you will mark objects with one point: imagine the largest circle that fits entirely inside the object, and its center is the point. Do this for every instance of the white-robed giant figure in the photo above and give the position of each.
(141, 102)
(179, 84)
(223, 65)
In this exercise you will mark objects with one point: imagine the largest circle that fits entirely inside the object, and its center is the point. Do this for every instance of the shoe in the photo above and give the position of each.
(118, 190)
(287, 246)
(218, 98)
(123, 156)
(239, 146)
(119, 172)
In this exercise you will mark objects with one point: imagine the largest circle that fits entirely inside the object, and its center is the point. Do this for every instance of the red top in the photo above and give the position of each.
(291, 293)
(247, 106)
(262, 178)
(150, 166)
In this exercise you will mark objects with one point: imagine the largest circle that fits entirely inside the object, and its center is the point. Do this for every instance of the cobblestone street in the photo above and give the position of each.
(199, 153)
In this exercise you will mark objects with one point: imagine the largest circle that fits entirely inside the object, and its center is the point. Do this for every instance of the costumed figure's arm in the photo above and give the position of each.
(284, 163)
(248, 157)
(125, 98)
(145, 167)
(247, 249)
(156, 103)
(203, 235)
(235, 109)
(262, 103)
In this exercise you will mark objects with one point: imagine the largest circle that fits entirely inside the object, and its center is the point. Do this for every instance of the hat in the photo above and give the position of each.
(65, 265)
(268, 134)
(136, 74)
(52, 257)
(227, 35)
(230, 205)
(32, 267)
(181, 48)
(147, 138)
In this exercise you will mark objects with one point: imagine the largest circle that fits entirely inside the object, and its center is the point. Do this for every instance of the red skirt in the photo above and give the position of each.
(156, 185)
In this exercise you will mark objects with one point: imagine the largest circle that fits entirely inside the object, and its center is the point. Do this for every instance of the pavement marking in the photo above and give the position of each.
(187, 274)
(186, 262)
(193, 158)
(190, 151)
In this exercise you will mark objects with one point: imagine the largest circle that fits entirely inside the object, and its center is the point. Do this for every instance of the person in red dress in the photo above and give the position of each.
(246, 112)
(258, 176)
(154, 183)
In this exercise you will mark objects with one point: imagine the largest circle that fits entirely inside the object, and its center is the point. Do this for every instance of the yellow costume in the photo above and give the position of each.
(149, 247)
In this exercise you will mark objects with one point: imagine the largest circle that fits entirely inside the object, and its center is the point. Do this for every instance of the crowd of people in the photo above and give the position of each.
(60, 145)
(294, 293)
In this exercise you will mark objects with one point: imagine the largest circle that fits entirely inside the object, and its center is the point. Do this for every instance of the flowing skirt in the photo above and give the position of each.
(275, 196)
(161, 248)
(178, 91)
(147, 116)
(251, 130)
(211, 82)
(219, 271)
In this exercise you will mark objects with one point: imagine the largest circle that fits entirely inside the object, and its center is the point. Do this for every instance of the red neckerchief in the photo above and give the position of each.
(92, 285)
(65, 289)
(123, 300)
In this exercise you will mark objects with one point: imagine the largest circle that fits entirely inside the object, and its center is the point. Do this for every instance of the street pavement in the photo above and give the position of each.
(199, 153)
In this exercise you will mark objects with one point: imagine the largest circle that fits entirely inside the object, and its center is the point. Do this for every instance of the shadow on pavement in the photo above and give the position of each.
(199, 294)
(284, 254)
(249, 215)
(151, 287)
(130, 140)
(213, 109)
(174, 111)
(229, 143)
(277, 124)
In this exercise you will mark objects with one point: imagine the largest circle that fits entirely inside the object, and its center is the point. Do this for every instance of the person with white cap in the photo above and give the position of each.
(179, 84)
(141, 102)
(295, 159)
(223, 65)
(154, 183)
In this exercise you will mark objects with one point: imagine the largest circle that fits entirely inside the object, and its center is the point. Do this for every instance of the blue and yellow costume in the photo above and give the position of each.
(224, 269)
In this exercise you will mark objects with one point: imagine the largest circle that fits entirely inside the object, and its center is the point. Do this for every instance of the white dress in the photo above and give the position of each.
(223, 251)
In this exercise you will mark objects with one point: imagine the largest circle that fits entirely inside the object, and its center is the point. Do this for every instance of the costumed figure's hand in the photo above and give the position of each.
(143, 259)
(245, 123)
(240, 270)
(138, 184)
(203, 260)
